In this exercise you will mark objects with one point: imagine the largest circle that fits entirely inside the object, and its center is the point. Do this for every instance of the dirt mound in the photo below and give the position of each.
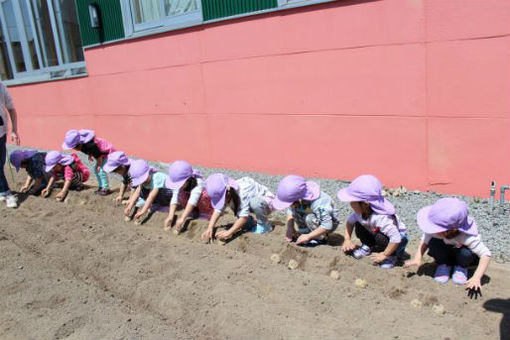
(77, 270)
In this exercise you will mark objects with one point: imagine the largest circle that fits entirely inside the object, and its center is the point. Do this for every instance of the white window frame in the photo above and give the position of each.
(62, 70)
(131, 28)
(284, 4)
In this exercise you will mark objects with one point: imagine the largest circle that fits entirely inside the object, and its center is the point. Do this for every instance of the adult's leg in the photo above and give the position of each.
(4, 186)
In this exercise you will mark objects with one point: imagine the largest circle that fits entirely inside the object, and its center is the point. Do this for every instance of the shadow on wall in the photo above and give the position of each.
(501, 306)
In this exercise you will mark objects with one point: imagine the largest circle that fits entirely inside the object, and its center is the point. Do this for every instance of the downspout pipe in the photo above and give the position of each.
(503, 189)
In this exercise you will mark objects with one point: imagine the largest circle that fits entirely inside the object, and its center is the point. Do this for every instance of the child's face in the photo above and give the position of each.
(58, 167)
(148, 180)
(121, 170)
(449, 233)
(360, 207)
(23, 164)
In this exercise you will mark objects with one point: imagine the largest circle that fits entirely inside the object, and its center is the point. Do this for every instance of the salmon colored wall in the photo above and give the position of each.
(415, 92)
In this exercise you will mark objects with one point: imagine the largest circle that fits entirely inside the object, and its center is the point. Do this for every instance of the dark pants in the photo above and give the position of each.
(162, 199)
(4, 186)
(450, 255)
(378, 241)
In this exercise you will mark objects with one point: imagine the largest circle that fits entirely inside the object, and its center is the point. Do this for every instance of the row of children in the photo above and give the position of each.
(449, 233)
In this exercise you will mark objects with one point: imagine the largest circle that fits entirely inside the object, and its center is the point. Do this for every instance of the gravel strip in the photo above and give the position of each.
(493, 224)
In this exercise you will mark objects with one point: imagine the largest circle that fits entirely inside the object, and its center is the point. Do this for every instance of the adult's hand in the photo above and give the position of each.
(15, 138)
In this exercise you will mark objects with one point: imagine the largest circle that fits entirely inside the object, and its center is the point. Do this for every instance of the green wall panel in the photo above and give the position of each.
(111, 17)
(214, 9)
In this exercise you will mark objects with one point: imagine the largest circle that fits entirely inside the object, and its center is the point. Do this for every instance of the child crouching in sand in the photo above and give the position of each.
(452, 238)
(66, 167)
(312, 210)
(119, 163)
(150, 189)
(382, 234)
(33, 162)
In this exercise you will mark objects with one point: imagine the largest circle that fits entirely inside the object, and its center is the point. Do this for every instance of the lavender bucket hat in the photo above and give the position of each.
(178, 174)
(18, 156)
(367, 188)
(54, 157)
(216, 187)
(75, 137)
(116, 159)
(139, 172)
(293, 188)
(446, 214)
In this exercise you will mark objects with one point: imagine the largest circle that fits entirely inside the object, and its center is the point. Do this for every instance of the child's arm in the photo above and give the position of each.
(36, 185)
(310, 236)
(187, 211)
(390, 249)
(171, 214)
(46, 191)
(416, 261)
(26, 186)
(122, 190)
(291, 232)
(208, 234)
(348, 245)
(132, 200)
(238, 224)
(474, 283)
(62, 194)
(148, 203)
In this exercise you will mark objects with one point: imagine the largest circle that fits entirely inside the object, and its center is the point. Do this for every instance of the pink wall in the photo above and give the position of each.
(415, 92)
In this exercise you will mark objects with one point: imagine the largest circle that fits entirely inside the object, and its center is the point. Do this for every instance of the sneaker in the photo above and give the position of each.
(103, 192)
(442, 274)
(2, 198)
(261, 228)
(11, 201)
(459, 275)
(362, 251)
(389, 263)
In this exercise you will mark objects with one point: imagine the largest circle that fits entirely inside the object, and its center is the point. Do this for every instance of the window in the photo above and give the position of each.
(148, 14)
(39, 39)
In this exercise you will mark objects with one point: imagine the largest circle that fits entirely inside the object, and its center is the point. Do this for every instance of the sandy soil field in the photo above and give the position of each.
(76, 270)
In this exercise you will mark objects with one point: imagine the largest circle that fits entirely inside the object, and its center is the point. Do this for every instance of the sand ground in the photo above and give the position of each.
(76, 270)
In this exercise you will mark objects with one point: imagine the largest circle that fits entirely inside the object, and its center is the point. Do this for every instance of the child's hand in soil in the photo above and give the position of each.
(127, 211)
(24, 189)
(140, 214)
(224, 235)
(178, 224)
(45, 192)
(378, 257)
(168, 223)
(348, 246)
(118, 199)
(302, 239)
(60, 196)
(412, 262)
(207, 235)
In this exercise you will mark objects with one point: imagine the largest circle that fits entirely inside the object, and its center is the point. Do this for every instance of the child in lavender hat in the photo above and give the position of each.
(119, 163)
(312, 210)
(187, 192)
(382, 234)
(33, 162)
(452, 237)
(94, 147)
(66, 167)
(151, 191)
(244, 196)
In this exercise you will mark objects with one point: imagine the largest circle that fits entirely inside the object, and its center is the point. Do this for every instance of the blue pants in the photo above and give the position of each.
(102, 177)
(4, 186)
(448, 254)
